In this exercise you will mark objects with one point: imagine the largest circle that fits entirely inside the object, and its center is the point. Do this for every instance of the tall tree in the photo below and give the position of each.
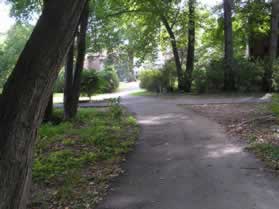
(191, 46)
(229, 80)
(73, 73)
(174, 50)
(273, 46)
(26, 94)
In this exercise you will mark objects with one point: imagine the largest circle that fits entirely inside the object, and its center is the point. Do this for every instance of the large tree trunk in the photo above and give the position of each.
(26, 93)
(175, 52)
(72, 82)
(49, 109)
(229, 80)
(191, 47)
(68, 84)
(267, 79)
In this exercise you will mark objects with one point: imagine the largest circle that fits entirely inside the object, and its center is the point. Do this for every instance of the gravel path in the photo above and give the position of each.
(185, 161)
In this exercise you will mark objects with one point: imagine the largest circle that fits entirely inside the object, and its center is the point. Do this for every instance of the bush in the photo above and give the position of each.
(169, 76)
(248, 75)
(215, 75)
(108, 81)
(89, 83)
(92, 82)
(200, 80)
(161, 80)
(151, 80)
(210, 77)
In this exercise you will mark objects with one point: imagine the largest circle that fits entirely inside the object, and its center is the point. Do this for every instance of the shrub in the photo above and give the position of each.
(200, 80)
(108, 81)
(90, 82)
(160, 80)
(248, 75)
(151, 80)
(215, 75)
(169, 76)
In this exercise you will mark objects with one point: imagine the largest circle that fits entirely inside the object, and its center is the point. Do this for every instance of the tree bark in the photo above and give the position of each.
(268, 74)
(72, 93)
(26, 93)
(68, 84)
(229, 80)
(191, 47)
(175, 52)
(49, 109)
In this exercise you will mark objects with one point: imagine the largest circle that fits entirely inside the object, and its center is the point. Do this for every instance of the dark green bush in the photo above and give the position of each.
(108, 81)
(159, 80)
(169, 76)
(200, 80)
(151, 80)
(248, 76)
(215, 75)
(90, 82)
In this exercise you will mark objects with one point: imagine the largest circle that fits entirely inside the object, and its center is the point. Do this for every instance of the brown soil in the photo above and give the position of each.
(248, 121)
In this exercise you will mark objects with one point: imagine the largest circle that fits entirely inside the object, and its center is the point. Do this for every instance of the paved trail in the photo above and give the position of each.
(185, 161)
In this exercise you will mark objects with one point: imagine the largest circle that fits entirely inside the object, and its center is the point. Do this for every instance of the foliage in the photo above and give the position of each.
(200, 80)
(151, 80)
(90, 82)
(169, 76)
(248, 75)
(275, 104)
(67, 151)
(11, 48)
(159, 80)
(108, 80)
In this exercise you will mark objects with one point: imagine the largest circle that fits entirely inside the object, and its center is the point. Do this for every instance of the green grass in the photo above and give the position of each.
(268, 152)
(67, 151)
(143, 93)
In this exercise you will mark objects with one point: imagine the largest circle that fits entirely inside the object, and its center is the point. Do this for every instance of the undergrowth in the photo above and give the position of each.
(74, 157)
(269, 152)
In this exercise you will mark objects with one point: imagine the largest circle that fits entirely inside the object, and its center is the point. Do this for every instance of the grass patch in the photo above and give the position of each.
(75, 160)
(268, 152)
(143, 93)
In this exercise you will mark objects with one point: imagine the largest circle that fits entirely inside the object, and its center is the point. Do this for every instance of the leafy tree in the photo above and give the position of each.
(191, 46)
(11, 48)
(73, 71)
(229, 84)
(273, 47)
(25, 96)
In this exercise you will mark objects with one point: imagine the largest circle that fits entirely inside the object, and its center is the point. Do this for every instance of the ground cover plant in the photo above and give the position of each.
(76, 159)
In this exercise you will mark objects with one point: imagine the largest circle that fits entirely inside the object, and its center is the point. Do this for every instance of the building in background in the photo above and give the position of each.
(94, 61)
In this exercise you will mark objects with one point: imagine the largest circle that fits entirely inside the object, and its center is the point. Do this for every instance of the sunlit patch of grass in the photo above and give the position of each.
(68, 154)
(143, 93)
